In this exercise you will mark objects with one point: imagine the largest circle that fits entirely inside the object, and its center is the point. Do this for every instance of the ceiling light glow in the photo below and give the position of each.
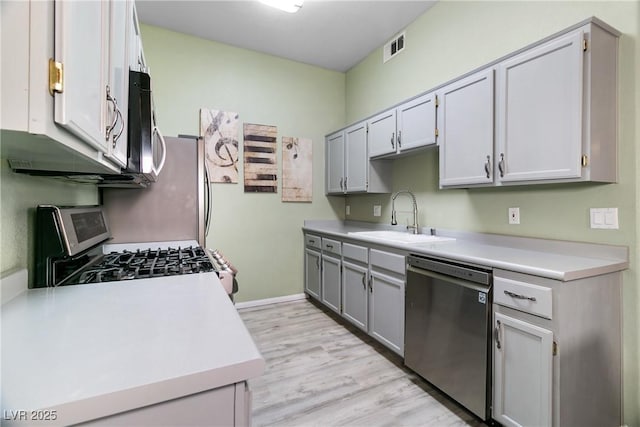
(290, 6)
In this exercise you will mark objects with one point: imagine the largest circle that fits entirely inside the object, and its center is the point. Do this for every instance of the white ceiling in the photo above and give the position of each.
(333, 34)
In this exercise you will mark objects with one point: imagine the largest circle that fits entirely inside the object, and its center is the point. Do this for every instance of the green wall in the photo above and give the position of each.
(19, 195)
(260, 234)
(455, 37)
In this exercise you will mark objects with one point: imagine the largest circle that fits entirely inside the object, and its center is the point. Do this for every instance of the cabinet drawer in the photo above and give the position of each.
(355, 252)
(388, 261)
(312, 241)
(523, 296)
(331, 246)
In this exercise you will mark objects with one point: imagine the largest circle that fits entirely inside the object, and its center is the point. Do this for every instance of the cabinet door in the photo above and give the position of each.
(120, 37)
(331, 289)
(382, 134)
(417, 123)
(522, 373)
(81, 44)
(357, 161)
(335, 163)
(465, 125)
(540, 112)
(354, 294)
(312, 273)
(386, 316)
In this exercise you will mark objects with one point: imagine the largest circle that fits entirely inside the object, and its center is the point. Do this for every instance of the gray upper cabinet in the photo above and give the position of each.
(556, 110)
(465, 126)
(348, 168)
(356, 179)
(335, 163)
(405, 128)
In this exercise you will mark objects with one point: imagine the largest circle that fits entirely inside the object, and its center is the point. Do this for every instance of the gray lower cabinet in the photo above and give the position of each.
(364, 285)
(355, 285)
(556, 350)
(224, 406)
(312, 278)
(331, 274)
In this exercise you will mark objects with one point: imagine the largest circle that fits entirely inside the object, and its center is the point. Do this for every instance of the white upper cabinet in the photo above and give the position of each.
(465, 127)
(416, 123)
(382, 134)
(540, 112)
(64, 102)
(407, 127)
(556, 110)
(82, 47)
(357, 162)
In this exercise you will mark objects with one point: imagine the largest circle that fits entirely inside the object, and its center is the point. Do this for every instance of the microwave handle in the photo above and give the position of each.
(156, 131)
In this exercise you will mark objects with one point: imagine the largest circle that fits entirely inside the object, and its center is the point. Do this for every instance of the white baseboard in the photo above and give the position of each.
(276, 300)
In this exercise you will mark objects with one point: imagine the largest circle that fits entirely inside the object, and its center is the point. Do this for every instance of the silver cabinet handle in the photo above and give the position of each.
(497, 332)
(312, 241)
(116, 115)
(364, 281)
(331, 247)
(487, 167)
(518, 296)
(318, 263)
(393, 144)
(345, 183)
(399, 138)
(501, 165)
(341, 187)
(370, 285)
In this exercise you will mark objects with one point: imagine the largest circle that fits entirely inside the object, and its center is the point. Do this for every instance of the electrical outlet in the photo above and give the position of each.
(377, 210)
(514, 215)
(348, 210)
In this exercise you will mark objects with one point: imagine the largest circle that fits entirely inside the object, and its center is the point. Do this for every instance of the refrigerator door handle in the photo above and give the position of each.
(207, 184)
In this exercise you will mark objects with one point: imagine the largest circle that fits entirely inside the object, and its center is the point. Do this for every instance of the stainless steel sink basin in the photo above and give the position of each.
(400, 237)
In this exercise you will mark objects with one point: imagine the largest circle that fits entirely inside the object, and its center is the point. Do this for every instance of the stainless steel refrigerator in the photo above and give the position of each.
(176, 207)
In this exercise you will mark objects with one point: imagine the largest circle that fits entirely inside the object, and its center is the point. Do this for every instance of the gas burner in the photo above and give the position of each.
(143, 264)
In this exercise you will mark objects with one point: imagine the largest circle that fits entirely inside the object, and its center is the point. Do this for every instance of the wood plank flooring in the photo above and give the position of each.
(324, 372)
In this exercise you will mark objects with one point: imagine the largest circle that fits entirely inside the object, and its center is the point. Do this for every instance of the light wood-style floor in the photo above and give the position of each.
(323, 372)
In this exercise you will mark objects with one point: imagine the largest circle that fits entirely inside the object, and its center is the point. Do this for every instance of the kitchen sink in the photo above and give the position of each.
(400, 236)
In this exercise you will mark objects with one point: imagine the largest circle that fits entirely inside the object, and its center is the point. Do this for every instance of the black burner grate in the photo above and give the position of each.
(143, 264)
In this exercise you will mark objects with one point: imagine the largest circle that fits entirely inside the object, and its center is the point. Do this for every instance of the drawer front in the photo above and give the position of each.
(355, 252)
(523, 296)
(331, 246)
(388, 261)
(312, 241)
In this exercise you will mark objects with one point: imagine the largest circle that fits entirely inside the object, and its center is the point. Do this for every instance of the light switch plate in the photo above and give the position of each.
(377, 210)
(604, 218)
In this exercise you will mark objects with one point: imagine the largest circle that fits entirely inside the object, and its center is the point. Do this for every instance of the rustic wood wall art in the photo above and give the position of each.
(297, 169)
(260, 162)
(220, 132)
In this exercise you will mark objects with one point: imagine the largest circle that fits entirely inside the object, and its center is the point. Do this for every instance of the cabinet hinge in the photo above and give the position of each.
(437, 101)
(55, 76)
(584, 161)
(437, 132)
(555, 348)
(584, 45)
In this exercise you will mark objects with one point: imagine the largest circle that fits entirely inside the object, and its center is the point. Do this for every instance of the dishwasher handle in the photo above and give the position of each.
(450, 279)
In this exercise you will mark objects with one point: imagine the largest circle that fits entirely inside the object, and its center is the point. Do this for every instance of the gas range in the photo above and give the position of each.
(144, 264)
(72, 249)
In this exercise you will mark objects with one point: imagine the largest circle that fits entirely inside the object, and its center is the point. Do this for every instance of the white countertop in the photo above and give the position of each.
(93, 350)
(552, 259)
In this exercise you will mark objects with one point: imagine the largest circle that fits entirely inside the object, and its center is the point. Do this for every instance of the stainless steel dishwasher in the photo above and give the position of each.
(447, 329)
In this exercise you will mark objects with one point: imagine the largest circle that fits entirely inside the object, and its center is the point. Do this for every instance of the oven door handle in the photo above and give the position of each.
(450, 279)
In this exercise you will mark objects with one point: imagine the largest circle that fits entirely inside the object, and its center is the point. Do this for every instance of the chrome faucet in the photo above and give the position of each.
(414, 227)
